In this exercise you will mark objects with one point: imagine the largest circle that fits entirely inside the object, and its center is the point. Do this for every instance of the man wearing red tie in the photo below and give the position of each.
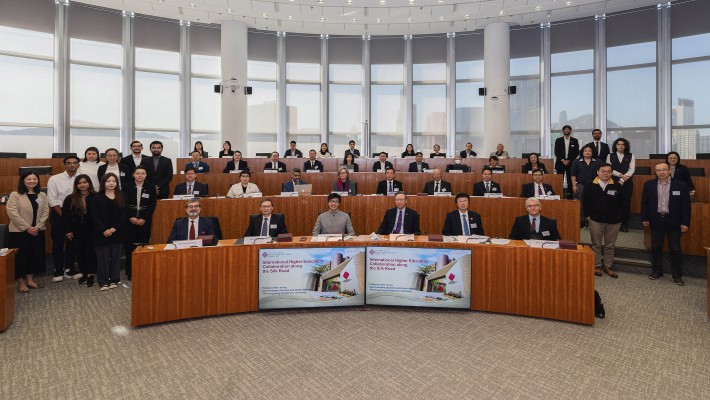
(399, 219)
(534, 225)
(192, 226)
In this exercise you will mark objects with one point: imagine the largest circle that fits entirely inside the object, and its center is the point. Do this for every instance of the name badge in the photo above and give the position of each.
(199, 168)
(396, 189)
(315, 167)
(443, 189)
(611, 192)
(494, 189)
(235, 171)
(196, 192)
(545, 233)
(273, 226)
(122, 174)
(676, 193)
(380, 170)
(549, 193)
(145, 195)
(474, 226)
(37, 200)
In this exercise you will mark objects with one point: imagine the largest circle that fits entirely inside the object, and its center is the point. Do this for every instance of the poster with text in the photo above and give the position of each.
(311, 277)
(419, 277)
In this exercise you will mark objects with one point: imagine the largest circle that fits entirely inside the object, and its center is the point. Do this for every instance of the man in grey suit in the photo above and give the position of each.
(333, 220)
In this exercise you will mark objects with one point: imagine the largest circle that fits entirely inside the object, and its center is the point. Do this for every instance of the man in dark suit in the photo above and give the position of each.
(468, 153)
(383, 164)
(160, 169)
(293, 151)
(192, 226)
(399, 219)
(312, 164)
(267, 223)
(295, 180)
(352, 150)
(600, 150)
(191, 186)
(389, 185)
(486, 185)
(462, 221)
(200, 166)
(418, 165)
(533, 225)
(133, 160)
(436, 185)
(566, 151)
(275, 164)
(665, 207)
(537, 188)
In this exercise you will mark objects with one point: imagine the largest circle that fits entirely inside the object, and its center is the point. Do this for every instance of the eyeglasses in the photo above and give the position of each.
(193, 206)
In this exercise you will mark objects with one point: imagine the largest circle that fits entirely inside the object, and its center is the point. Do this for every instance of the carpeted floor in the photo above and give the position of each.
(70, 342)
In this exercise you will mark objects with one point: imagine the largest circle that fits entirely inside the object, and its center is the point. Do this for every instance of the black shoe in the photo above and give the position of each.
(678, 281)
(624, 228)
(654, 276)
(90, 281)
(83, 280)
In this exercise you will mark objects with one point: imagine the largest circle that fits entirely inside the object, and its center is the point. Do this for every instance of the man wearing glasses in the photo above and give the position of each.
(333, 221)
(533, 225)
(58, 188)
(192, 226)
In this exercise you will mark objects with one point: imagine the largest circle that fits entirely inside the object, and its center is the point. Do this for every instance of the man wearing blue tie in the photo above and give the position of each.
(462, 221)
(389, 185)
(399, 219)
(267, 223)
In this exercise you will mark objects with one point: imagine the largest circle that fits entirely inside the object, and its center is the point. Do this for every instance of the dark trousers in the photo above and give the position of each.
(627, 189)
(107, 258)
(578, 196)
(568, 177)
(136, 234)
(85, 254)
(62, 253)
(659, 231)
(31, 258)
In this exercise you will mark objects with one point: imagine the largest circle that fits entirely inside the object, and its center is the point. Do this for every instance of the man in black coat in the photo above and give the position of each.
(312, 164)
(293, 151)
(566, 151)
(160, 169)
(537, 188)
(399, 219)
(192, 226)
(600, 150)
(665, 207)
(601, 200)
(267, 223)
(486, 185)
(382, 164)
(418, 165)
(352, 150)
(133, 160)
(534, 225)
(437, 185)
(275, 164)
(191, 186)
(468, 153)
(389, 184)
(462, 221)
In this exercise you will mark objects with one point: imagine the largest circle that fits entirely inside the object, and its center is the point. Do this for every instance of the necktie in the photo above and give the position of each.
(265, 227)
(419, 167)
(436, 189)
(312, 165)
(398, 226)
(390, 189)
(196, 164)
(464, 221)
(539, 190)
(488, 187)
(273, 165)
(189, 189)
(533, 226)
(192, 230)
(596, 147)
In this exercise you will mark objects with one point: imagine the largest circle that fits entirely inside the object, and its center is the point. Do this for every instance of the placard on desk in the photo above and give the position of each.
(311, 277)
(419, 277)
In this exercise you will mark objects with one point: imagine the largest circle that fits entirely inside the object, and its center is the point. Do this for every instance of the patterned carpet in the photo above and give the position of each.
(70, 342)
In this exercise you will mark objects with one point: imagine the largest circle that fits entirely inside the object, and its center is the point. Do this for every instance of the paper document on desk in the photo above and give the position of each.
(471, 239)
(500, 241)
(547, 244)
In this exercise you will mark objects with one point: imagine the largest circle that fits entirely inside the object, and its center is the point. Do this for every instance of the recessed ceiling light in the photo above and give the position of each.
(383, 2)
(501, 12)
(192, 5)
(466, 16)
(263, 15)
(411, 1)
(290, 17)
(439, 1)
(322, 19)
(538, 8)
(161, 1)
(349, 1)
(229, 10)
(409, 19)
(441, 18)
(569, 3)
(549, 14)
(354, 19)
(320, 1)
(379, 20)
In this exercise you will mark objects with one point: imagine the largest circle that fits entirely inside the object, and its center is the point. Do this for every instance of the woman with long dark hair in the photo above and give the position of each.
(226, 151)
(236, 164)
(108, 212)
(349, 163)
(324, 152)
(408, 151)
(679, 171)
(79, 229)
(28, 210)
(140, 201)
(198, 147)
(534, 164)
(623, 165)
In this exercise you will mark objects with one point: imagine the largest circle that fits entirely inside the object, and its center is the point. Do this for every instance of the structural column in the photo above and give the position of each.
(496, 106)
(234, 66)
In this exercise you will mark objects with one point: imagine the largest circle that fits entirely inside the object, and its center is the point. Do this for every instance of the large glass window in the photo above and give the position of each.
(303, 92)
(429, 93)
(205, 104)
(262, 113)
(344, 93)
(387, 108)
(525, 104)
(469, 105)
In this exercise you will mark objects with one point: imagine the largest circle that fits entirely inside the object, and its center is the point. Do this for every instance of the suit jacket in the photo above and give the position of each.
(317, 165)
(136, 233)
(179, 231)
(105, 214)
(464, 155)
(529, 190)
(682, 173)
(435, 155)
(277, 225)
(293, 153)
(429, 187)
(356, 168)
(560, 153)
(382, 186)
(160, 176)
(355, 153)
(377, 164)
(231, 167)
(125, 173)
(351, 192)
(410, 224)
(236, 189)
(452, 224)
(282, 166)
(202, 167)
(479, 188)
(603, 150)
(457, 167)
(678, 203)
(19, 210)
(202, 189)
(521, 229)
(128, 162)
(289, 186)
(413, 166)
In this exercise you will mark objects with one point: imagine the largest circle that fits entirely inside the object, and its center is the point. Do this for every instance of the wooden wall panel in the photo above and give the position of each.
(7, 289)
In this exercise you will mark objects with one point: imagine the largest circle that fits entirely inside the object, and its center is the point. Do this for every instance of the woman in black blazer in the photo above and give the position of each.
(112, 161)
(236, 164)
(409, 151)
(349, 163)
(79, 229)
(109, 216)
(140, 216)
(227, 151)
(679, 171)
(534, 164)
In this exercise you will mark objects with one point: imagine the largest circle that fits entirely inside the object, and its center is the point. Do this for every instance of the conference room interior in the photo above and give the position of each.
(637, 74)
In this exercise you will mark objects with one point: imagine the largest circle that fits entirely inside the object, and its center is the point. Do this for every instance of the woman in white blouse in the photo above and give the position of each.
(623, 165)
(90, 166)
(243, 187)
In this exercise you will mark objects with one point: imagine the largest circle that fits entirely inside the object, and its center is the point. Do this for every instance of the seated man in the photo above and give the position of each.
(312, 164)
(468, 153)
(352, 150)
(457, 165)
(243, 187)
(486, 185)
(293, 151)
(418, 165)
(266, 223)
(333, 221)
(192, 226)
(462, 221)
(383, 164)
(200, 166)
(399, 219)
(493, 165)
(389, 185)
(537, 188)
(534, 225)
(500, 153)
(295, 180)
(275, 164)
(437, 185)
(191, 186)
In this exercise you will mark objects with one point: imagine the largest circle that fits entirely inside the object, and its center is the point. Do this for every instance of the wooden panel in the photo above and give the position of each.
(7, 289)
(11, 166)
(707, 254)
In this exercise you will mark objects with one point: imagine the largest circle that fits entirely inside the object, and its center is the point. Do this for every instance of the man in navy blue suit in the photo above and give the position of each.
(399, 219)
(200, 166)
(462, 221)
(267, 223)
(191, 186)
(192, 226)
(665, 207)
(295, 180)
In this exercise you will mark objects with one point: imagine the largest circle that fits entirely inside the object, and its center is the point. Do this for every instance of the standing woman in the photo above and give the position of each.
(623, 164)
(108, 212)
(79, 229)
(324, 152)
(90, 166)
(140, 201)
(115, 167)
(28, 210)
(584, 169)
(227, 151)
(198, 147)
(679, 171)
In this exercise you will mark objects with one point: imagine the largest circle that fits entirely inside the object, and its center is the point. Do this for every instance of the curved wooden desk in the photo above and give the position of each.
(7, 289)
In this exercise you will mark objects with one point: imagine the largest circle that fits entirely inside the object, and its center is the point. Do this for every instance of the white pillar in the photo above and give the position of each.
(234, 65)
(496, 106)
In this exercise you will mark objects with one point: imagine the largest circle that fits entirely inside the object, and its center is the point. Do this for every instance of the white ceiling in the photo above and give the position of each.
(395, 17)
